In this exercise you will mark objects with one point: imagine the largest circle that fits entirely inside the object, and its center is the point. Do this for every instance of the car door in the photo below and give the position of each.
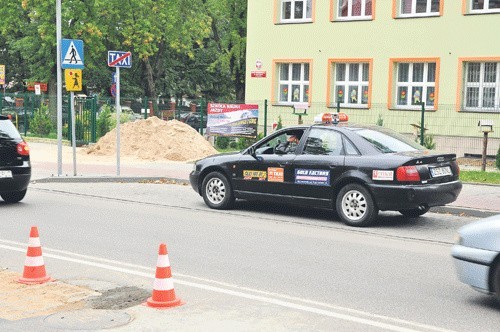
(267, 172)
(321, 161)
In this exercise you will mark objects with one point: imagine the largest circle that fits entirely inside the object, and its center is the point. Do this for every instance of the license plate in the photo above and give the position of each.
(440, 171)
(5, 174)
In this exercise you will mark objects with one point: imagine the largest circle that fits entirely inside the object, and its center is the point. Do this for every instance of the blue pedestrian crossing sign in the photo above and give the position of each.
(72, 54)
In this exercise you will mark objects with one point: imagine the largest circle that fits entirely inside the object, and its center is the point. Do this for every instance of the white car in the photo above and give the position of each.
(477, 255)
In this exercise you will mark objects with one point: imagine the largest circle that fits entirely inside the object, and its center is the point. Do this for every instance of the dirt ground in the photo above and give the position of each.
(18, 301)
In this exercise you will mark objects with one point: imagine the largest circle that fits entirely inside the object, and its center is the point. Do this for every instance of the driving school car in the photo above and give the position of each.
(357, 170)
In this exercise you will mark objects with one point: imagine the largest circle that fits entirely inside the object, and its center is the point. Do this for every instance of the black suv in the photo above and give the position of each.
(15, 166)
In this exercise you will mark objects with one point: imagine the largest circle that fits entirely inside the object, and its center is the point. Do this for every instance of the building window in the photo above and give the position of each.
(293, 84)
(354, 9)
(415, 84)
(415, 8)
(351, 87)
(296, 11)
(482, 86)
(484, 6)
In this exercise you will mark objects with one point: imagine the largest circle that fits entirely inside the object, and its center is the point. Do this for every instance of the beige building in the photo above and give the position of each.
(379, 61)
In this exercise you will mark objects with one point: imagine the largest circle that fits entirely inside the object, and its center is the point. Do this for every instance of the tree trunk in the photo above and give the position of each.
(151, 89)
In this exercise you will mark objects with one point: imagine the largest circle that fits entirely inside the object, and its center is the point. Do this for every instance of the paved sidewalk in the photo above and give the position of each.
(475, 199)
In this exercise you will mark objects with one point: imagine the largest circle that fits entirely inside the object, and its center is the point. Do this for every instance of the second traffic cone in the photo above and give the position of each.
(34, 267)
(163, 288)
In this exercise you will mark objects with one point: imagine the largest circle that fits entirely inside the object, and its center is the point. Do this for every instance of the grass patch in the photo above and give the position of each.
(480, 177)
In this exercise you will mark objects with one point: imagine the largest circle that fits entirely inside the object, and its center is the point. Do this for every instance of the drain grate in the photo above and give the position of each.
(87, 319)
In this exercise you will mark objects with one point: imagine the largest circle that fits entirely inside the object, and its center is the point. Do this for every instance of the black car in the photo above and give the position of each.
(356, 170)
(193, 119)
(15, 166)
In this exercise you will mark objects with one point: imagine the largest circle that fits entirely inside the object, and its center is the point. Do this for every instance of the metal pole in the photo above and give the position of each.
(73, 128)
(59, 89)
(118, 112)
(265, 117)
(485, 148)
(422, 130)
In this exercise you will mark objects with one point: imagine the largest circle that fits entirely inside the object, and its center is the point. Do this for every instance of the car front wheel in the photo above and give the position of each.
(217, 192)
(414, 213)
(13, 197)
(355, 206)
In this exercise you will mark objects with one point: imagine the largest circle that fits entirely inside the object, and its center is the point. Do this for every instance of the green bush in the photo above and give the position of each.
(41, 124)
(429, 142)
(79, 130)
(279, 124)
(497, 161)
(222, 142)
(233, 145)
(104, 121)
(380, 121)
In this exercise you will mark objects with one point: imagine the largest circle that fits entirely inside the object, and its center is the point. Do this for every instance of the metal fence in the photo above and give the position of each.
(450, 130)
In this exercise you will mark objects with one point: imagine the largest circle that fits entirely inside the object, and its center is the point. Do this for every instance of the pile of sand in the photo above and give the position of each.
(155, 139)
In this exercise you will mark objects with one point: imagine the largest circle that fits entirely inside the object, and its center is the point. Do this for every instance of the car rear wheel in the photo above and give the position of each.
(414, 213)
(496, 282)
(217, 192)
(13, 197)
(355, 206)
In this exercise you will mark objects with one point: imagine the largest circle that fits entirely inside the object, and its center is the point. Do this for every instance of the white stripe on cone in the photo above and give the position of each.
(163, 261)
(34, 242)
(34, 261)
(163, 284)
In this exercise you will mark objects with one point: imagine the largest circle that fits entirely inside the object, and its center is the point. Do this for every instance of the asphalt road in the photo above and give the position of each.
(280, 268)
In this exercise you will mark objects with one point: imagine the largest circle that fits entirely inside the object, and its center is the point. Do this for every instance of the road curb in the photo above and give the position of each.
(111, 179)
(463, 212)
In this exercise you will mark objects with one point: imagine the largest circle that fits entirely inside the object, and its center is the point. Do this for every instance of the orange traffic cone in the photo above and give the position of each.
(163, 287)
(34, 268)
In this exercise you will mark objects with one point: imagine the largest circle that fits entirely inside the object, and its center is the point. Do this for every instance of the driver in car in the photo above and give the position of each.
(289, 146)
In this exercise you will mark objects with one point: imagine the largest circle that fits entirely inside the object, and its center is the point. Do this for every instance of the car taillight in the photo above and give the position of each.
(407, 174)
(23, 149)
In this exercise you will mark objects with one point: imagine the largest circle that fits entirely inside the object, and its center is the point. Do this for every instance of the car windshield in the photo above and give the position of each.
(388, 141)
(7, 130)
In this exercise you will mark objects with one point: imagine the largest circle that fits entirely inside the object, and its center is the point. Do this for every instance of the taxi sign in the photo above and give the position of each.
(331, 118)
(119, 59)
(73, 79)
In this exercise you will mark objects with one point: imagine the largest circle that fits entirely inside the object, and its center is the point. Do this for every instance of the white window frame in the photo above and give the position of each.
(414, 9)
(485, 10)
(347, 83)
(292, 11)
(302, 82)
(481, 85)
(411, 84)
(349, 16)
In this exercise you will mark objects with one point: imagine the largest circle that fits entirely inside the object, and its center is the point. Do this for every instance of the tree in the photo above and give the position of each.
(178, 46)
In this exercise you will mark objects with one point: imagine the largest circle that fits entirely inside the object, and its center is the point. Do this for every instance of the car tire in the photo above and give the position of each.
(496, 282)
(217, 192)
(415, 213)
(355, 206)
(13, 197)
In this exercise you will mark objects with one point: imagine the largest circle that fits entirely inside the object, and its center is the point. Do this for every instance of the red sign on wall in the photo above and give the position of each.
(258, 74)
(31, 86)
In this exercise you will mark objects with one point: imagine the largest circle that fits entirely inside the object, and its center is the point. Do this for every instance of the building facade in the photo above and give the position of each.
(380, 61)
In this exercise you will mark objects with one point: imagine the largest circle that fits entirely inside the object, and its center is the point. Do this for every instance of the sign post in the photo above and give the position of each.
(118, 59)
(73, 79)
(71, 57)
